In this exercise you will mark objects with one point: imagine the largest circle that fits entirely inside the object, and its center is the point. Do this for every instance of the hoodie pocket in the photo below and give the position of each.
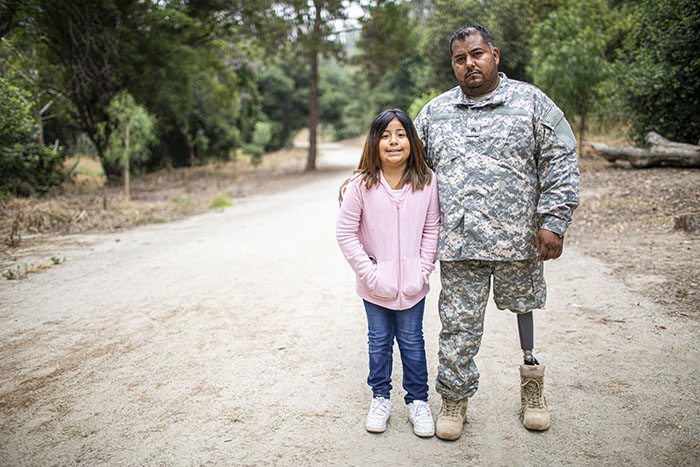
(413, 280)
(386, 283)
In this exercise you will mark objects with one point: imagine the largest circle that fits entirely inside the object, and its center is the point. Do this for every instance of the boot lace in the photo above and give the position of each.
(532, 388)
(450, 408)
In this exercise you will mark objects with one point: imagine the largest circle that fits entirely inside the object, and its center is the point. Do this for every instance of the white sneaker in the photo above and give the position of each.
(378, 415)
(421, 418)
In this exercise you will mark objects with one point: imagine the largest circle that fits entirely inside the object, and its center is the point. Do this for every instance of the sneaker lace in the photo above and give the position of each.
(532, 388)
(421, 410)
(379, 406)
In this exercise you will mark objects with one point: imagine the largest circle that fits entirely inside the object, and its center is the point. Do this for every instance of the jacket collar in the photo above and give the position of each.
(497, 96)
(389, 190)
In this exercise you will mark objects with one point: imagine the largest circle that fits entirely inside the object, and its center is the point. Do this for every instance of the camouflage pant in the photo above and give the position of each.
(517, 285)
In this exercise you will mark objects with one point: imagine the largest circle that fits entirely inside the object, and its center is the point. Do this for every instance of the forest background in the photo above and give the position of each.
(142, 85)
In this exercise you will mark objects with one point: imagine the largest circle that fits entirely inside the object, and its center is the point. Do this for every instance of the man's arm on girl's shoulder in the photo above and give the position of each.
(431, 229)
(422, 124)
(344, 186)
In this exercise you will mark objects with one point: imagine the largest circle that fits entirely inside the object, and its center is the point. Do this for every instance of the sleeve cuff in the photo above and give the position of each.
(554, 224)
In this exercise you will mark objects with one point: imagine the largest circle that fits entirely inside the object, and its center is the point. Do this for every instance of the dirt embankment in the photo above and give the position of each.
(626, 218)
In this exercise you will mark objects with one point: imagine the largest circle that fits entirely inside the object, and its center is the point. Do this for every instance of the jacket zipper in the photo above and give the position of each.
(398, 263)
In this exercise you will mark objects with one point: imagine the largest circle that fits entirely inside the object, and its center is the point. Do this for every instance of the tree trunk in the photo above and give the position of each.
(659, 153)
(582, 129)
(127, 189)
(313, 94)
(113, 172)
(111, 169)
(313, 114)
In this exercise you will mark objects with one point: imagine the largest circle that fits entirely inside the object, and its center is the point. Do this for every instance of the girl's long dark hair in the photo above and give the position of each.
(416, 171)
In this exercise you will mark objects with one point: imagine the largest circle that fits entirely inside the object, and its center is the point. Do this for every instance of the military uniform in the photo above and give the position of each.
(506, 165)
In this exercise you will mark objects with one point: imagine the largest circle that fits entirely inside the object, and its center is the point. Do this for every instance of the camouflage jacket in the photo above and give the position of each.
(506, 167)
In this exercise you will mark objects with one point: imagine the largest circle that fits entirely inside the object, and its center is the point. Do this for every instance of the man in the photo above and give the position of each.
(508, 177)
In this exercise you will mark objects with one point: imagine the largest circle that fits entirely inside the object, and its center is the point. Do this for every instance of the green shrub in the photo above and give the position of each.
(25, 166)
(220, 200)
(38, 167)
(656, 79)
(255, 152)
(262, 134)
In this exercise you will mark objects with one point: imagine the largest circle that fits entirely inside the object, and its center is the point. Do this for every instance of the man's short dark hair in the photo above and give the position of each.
(470, 29)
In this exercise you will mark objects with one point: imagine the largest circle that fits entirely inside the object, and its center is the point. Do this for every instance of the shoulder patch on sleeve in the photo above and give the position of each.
(553, 116)
(555, 121)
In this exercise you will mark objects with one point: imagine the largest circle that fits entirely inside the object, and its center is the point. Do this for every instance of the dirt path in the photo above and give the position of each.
(235, 338)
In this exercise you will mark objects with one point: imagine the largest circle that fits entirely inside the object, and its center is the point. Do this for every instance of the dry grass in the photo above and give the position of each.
(87, 206)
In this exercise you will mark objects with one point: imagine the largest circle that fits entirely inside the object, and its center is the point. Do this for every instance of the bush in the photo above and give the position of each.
(31, 169)
(220, 200)
(26, 168)
(16, 124)
(656, 77)
(262, 134)
(255, 152)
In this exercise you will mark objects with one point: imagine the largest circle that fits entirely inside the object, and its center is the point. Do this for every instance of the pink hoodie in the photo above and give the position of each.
(400, 233)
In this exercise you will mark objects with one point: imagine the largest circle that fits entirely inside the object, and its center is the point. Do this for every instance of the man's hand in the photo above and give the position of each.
(548, 244)
(344, 187)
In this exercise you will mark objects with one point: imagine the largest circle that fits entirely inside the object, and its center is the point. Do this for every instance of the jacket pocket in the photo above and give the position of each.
(450, 185)
(386, 281)
(413, 280)
(513, 146)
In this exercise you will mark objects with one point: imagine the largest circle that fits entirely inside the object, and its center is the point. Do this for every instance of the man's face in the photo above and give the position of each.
(476, 68)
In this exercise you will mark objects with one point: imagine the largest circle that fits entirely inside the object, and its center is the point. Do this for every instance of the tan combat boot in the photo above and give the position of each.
(452, 416)
(533, 411)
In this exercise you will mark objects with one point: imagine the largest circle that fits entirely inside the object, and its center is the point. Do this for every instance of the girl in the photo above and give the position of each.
(388, 231)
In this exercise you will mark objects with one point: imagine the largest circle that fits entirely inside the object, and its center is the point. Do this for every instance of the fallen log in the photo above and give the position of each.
(687, 222)
(659, 152)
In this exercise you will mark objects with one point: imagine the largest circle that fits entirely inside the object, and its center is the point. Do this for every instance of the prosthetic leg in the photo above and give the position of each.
(526, 332)
(533, 409)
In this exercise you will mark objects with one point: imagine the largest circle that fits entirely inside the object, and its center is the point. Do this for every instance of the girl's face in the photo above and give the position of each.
(394, 147)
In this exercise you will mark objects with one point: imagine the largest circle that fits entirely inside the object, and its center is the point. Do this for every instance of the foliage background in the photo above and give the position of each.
(225, 79)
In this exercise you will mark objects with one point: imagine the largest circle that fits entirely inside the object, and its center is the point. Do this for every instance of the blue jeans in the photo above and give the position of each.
(407, 326)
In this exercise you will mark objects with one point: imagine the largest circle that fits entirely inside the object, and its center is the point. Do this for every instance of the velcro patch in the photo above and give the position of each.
(555, 121)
